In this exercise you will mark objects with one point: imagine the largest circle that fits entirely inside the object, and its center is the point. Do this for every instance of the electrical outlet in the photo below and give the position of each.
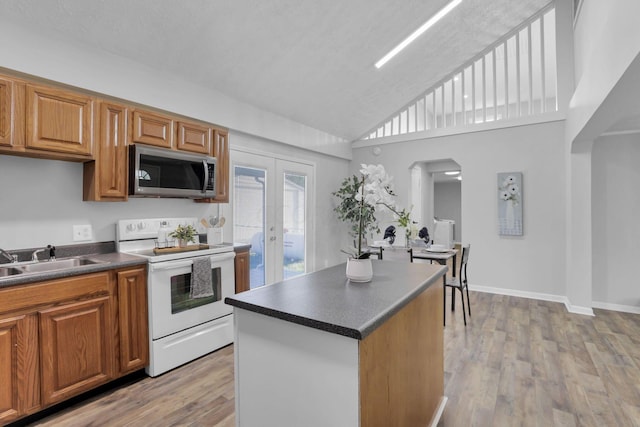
(82, 233)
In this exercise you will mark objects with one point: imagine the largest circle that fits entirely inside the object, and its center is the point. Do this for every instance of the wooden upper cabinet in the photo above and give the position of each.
(221, 152)
(151, 128)
(106, 179)
(11, 113)
(194, 138)
(59, 121)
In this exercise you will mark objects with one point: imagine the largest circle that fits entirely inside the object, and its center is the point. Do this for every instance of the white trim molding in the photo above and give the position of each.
(616, 307)
(587, 311)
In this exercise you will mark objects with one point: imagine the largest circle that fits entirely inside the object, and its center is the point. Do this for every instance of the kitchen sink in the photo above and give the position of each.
(56, 265)
(9, 271)
(44, 266)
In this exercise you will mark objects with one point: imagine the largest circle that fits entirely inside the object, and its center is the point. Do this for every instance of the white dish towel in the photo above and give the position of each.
(201, 283)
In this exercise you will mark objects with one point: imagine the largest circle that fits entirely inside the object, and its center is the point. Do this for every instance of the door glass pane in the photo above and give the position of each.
(249, 186)
(293, 239)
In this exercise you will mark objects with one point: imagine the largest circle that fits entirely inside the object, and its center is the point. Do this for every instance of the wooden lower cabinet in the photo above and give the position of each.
(63, 337)
(132, 319)
(19, 385)
(76, 347)
(242, 266)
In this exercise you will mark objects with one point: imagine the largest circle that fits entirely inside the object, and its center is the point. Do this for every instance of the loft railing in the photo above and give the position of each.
(514, 77)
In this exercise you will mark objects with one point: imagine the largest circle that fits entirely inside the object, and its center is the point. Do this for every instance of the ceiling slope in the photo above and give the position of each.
(307, 60)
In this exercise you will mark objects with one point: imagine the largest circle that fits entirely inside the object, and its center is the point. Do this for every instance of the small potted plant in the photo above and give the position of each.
(184, 234)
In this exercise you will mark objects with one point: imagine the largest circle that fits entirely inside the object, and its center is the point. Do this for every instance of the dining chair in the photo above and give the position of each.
(461, 283)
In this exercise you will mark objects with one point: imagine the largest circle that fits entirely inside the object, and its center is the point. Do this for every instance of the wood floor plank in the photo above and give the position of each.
(518, 362)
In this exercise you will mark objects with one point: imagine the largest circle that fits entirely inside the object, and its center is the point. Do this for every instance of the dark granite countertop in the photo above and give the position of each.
(326, 300)
(240, 247)
(103, 252)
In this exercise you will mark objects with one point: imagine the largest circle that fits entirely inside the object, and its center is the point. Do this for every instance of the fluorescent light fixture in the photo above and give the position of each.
(459, 178)
(435, 18)
(452, 173)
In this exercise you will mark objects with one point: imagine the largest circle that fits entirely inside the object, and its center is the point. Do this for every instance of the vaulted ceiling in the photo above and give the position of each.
(308, 60)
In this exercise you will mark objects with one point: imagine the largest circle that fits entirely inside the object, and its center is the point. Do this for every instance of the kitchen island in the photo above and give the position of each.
(318, 350)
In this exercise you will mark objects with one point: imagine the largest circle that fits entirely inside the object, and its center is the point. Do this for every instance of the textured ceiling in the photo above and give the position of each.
(308, 60)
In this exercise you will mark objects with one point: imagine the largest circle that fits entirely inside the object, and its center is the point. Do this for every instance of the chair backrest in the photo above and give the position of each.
(465, 258)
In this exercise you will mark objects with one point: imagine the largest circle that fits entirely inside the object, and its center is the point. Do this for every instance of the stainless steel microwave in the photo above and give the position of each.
(159, 172)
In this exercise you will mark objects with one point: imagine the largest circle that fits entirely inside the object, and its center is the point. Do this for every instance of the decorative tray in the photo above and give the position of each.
(175, 249)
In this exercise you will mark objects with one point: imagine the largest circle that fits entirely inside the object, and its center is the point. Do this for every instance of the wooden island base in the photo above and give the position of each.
(402, 366)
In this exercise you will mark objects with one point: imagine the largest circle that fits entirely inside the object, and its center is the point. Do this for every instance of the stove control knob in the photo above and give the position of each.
(131, 227)
(142, 225)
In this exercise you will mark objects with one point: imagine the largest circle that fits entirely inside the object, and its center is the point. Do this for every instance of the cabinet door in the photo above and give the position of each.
(152, 129)
(19, 391)
(221, 152)
(59, 121)
(194, 138)
(106, 179)
(76, 348)
(11, 113)
(133, 320)
(242, 271)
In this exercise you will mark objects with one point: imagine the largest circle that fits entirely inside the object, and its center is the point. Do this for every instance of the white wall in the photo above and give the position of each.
(606, 42)
(446, 204)
(616, 229)
(40, 200)
(533, 263)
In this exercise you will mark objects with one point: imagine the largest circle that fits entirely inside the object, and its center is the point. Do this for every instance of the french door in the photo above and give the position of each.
(272, 200)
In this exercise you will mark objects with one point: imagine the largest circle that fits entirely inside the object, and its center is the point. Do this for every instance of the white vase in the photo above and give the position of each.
(359, 270)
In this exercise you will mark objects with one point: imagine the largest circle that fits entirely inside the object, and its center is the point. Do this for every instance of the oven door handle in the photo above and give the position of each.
(171, 265)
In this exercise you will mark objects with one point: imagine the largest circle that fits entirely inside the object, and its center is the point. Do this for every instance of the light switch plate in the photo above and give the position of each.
(82, 233)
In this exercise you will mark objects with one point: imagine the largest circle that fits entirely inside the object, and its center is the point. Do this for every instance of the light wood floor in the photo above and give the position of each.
(519, 362)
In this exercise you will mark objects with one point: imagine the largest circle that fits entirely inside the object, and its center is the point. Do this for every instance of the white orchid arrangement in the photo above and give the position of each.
(509, 190)
(360, 197)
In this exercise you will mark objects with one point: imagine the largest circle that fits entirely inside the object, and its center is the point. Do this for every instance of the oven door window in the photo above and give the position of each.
(181, 292)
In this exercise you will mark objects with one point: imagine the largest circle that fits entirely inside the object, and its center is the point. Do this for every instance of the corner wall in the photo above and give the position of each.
(616, 229)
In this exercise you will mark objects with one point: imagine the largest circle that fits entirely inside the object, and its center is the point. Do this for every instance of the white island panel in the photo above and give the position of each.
(292, 375)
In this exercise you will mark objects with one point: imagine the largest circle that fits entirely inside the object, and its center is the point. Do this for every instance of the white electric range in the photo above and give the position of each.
(181, 328)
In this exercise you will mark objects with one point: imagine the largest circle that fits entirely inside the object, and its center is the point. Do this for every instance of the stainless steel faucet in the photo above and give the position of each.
(7, 255)
(34, 255)
(51, 249)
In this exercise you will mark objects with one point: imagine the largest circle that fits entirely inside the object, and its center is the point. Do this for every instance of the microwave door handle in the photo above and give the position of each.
(206, 176)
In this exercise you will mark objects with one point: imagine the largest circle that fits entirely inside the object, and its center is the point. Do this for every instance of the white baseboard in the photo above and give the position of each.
(587, 311)
(576, 309)
(617, 307)
(436, 417)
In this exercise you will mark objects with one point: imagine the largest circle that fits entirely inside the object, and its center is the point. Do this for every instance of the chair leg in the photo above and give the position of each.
(444, 305)
(453, 299)
(464, 314)
(468, 300)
